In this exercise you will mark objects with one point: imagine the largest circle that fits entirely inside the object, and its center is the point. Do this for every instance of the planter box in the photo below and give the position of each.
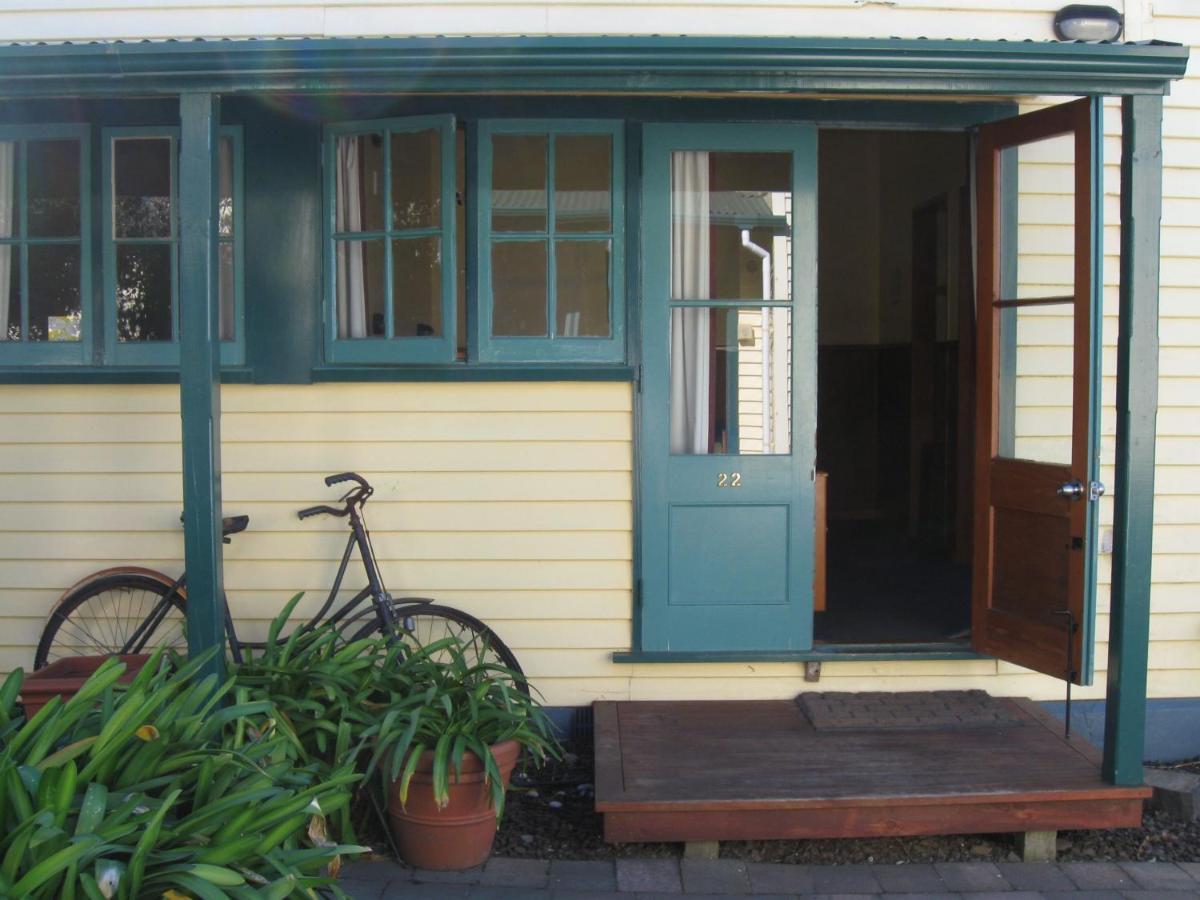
(65, 677)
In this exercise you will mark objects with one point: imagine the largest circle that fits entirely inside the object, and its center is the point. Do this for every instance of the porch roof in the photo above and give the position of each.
(636, 65)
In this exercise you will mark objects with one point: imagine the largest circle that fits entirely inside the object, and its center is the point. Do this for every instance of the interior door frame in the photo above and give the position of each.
(651, 629)
(995, 380)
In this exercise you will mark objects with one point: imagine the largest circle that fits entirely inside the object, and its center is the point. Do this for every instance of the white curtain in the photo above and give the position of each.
(689, 281)
(690, 341)
(351, 278)
(8, 157)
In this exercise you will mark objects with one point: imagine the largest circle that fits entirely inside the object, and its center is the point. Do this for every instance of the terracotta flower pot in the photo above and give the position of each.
(459, 835)
(65, 677)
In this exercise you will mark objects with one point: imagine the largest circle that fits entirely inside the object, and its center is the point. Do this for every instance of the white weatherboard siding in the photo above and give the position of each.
(54, 20)
(515, 500)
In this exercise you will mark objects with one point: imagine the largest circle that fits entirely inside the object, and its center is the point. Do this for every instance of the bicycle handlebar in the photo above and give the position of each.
(321, 510)
(359, 494)
(331, 480)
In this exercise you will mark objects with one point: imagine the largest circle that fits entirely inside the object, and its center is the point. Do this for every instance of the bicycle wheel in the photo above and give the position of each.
(428, 622)
(99, 617)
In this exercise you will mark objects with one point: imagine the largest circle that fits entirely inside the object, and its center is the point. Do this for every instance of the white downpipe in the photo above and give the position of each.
(768, 413)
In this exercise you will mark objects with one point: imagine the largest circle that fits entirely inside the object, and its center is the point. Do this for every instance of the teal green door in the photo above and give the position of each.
(727, 440)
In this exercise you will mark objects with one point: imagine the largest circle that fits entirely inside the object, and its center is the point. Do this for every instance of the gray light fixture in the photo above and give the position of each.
(1080, 22)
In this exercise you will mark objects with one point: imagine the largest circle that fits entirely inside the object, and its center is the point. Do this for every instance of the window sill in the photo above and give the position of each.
(825, 653)
(464, 372)
(111, 375)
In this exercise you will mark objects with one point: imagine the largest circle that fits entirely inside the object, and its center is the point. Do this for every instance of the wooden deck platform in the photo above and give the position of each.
(757, 770)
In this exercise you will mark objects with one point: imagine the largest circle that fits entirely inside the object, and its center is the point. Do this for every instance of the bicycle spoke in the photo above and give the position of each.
(103, 618)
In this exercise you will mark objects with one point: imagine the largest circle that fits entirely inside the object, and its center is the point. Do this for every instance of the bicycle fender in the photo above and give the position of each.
(165, 580)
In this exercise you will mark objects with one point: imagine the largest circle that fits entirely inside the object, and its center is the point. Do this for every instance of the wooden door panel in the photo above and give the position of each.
(1022, 484)
(1031, 562)
(734, 554)
(1030, 553)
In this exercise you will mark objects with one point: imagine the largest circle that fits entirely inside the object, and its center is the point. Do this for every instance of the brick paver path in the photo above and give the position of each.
(656, 879)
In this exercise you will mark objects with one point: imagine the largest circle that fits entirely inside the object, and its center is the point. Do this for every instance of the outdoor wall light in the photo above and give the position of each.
(1080, 22)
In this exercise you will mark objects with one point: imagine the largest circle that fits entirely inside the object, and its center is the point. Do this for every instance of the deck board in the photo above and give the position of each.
(681, 770)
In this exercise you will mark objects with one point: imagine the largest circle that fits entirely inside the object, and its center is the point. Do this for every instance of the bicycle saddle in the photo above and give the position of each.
(234, 524)
(230, 524)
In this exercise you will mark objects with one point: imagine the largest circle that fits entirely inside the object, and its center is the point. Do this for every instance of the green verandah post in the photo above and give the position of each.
(200, 371)
(1137, 408)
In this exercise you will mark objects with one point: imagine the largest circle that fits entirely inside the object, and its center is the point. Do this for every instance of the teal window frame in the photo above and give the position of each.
(550, 347)
(52, 353)
(390, 349)
(166, 353)
(233, 352)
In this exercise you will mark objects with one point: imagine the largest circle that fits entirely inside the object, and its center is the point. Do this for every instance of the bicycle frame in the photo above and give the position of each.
(359, 537)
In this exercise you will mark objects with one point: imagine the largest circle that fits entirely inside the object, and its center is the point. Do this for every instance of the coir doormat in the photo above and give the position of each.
(844, 711)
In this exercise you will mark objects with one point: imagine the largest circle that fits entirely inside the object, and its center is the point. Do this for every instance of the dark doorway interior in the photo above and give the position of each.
(895, 398)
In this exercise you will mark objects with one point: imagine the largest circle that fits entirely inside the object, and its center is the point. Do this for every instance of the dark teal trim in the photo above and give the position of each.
(839, 653)
(1137, 408)
(283, 277)
(903, 113)
(50, 353)
(200, 367)
(641, 65)
(1095, 393)
(111, 375)
(460, 372)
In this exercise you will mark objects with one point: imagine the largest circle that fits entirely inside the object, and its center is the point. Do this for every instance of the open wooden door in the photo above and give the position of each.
(1033, 472)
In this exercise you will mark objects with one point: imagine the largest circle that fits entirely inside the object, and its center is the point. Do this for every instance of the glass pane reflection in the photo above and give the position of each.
(731, 225)
(731, 381)
(519, 182)
(582, 182)
(1037, 417)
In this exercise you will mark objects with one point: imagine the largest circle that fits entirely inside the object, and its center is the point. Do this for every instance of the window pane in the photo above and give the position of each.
(519, 289)
(361, 300)
(144, 287)
(416, 179)
(581, 288)
(54, 311)
(225, 187)
(460, 240)
(1036, 417)
(519, 182)
(359, 183)
(730, 379)
(142, 187)
(417, 287)
(10, 209)
(10, 293)
(1045, 217)
(731, 226)
(228, 295)
(53, 187)
(583, 182)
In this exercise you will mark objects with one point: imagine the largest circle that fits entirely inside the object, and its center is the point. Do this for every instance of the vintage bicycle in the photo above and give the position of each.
(130, 609)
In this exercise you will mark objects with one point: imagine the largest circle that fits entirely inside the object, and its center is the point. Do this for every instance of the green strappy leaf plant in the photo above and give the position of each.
(459, 706)
(169, 786)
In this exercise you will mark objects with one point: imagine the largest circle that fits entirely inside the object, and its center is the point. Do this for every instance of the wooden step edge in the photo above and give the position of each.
(882, 801)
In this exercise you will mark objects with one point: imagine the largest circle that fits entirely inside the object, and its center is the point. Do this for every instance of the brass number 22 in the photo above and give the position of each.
(729, 479)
